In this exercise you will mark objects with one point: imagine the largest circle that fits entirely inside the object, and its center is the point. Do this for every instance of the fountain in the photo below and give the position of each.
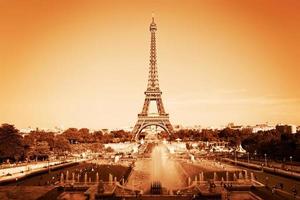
(234, 176)
(110, 178)
(67, 176)
(85, 178)
(97, 177)
(164, 170)
(202, 176)
(241, 175)
(215, 176)
(156, 188)
(252, 176)
(246, 175)
(61, 178)
(227, 176)
(192, 158)
(73, 177)
(100, 187)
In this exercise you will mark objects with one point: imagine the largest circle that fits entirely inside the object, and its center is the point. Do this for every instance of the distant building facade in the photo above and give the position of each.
(286, 128)
(262, 128)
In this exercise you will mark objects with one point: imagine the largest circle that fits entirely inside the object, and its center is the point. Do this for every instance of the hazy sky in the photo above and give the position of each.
(84, 63)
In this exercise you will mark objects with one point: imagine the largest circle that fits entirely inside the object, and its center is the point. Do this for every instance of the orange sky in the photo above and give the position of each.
(78, 63)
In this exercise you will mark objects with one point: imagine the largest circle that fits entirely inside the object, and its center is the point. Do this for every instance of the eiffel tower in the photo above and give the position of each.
(153, 94)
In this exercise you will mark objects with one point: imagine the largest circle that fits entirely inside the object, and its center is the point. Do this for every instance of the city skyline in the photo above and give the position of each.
(86, 64)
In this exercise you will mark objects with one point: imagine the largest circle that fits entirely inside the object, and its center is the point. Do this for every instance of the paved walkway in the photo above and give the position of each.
(21, 171)
(23, 192)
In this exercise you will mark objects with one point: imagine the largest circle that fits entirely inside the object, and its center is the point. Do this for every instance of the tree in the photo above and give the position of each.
(71, 134)
(85, 136)
(109, 150)
(11, 143)
(96, 147)
(233, 136)
(98, 136)
(40, 150)
(274, 144)
(61, 145)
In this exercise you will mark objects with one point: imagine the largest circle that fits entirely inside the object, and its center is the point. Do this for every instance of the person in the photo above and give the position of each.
(295, 192)
(273, 190)
(267, 181)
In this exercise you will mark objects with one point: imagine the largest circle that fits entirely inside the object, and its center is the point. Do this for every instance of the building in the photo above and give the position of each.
(286, 128)
(262, 128)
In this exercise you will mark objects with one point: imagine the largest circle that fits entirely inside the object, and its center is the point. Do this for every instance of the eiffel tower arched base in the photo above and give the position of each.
(146, 121)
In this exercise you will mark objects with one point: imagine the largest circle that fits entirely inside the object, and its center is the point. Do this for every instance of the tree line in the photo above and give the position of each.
(40, 144)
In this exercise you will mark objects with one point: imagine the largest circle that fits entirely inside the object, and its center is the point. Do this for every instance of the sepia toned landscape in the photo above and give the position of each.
(149, 99)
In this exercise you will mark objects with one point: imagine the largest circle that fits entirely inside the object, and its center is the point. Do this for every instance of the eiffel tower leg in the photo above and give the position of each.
(146, 107)
(160, 106)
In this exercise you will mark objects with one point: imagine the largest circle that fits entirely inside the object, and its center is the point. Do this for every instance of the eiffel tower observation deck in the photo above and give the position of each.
(153, 94)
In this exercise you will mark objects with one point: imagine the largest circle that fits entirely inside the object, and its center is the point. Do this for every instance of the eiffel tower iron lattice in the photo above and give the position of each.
(152, 93)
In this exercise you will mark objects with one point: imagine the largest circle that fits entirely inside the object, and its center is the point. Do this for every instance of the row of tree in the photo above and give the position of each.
(75, 136)
(275, 145)
(233, 136)
(41, 144)
(36, 145)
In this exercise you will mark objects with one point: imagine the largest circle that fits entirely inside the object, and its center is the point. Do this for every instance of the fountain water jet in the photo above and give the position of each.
(61, 178)
(97, 177)
(215, 176)
(240, 175)
(110, 178)
(246, 175)
(227, 176)
(85, 178)
(164, 170)
(73, 177)
(67, 176)
(189, 181)
(234, 176)
(252, 176)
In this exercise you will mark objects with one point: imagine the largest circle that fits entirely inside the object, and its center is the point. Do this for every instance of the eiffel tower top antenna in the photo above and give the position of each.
(152, 16)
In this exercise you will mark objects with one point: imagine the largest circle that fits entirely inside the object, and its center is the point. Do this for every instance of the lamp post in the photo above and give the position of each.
(235, 159)
(291, 159)
(248, 158)
(265, 159)
(48, 165)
